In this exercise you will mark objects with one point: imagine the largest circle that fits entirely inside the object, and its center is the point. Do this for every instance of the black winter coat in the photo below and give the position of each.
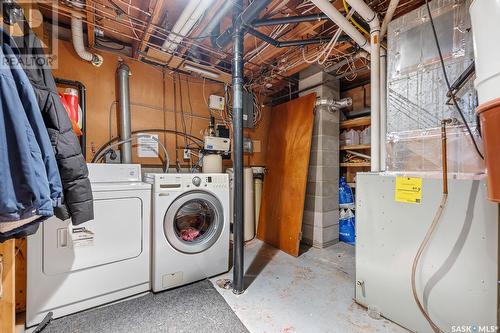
(77, 199)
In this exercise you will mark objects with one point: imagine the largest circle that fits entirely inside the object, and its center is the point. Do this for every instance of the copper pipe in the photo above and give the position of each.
(444, 154)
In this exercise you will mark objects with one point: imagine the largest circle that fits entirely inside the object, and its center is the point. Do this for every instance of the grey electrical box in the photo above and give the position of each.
(248, 110)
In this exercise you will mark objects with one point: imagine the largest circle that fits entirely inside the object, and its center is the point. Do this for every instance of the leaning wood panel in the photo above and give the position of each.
(289, 145)
(20, 275)
(7, 297)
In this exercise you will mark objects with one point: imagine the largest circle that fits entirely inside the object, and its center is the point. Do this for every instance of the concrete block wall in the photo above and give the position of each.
(321, 212)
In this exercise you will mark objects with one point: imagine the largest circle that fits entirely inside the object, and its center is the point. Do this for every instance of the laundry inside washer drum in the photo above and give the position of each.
(194, 220)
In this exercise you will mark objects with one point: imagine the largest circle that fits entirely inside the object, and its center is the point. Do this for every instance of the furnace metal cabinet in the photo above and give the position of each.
(458, 273)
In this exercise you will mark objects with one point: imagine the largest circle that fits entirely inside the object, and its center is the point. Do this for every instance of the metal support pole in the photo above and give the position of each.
(238, 81)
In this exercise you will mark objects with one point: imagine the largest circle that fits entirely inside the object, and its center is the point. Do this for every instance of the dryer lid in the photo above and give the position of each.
(119, 186)
(106, 173)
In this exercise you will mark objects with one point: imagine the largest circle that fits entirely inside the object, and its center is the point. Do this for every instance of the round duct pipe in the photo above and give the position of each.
(123, 73)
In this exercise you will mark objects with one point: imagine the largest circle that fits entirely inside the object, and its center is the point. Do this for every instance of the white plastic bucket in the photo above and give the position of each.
(485, 18)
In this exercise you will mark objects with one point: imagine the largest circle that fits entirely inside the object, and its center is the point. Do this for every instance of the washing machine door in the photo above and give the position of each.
(194, 222)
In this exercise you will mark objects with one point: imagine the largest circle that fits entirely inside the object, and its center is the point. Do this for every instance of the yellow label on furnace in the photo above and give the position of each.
(408, 190)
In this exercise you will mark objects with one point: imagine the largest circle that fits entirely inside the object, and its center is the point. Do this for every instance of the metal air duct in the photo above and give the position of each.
(123, 73)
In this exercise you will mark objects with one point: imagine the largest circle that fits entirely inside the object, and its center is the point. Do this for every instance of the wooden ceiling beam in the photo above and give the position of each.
(90, 18)
(136, 45)
(156, 8)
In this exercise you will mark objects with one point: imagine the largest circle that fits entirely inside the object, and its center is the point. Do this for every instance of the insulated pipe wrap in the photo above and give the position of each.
(77, 37)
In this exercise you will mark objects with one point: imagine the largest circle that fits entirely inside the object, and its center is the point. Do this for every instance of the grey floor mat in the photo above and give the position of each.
(194, 308)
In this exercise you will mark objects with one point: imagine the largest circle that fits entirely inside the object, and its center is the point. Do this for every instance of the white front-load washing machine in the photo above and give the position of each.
(190, 228)
(73, 268)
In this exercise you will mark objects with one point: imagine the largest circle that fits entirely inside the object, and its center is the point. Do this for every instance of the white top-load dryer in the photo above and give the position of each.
(190, 227)
(73, 268)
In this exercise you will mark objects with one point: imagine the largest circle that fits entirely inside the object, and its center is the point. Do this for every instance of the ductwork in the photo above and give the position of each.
(193, 11)
(335, 104)
(123, 73)
(79, 46)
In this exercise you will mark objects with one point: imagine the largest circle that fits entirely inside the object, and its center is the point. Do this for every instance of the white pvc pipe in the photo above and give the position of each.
(372, 19)
(393, 5)
(326, 7)
(383, 108)
(373, 47)
(189, 17)
(79, 46)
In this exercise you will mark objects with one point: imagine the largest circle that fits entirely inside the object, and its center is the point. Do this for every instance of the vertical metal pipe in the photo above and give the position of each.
(123, 73)
(238, 80)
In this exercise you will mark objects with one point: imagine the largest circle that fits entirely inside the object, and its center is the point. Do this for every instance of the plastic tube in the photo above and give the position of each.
(119, 143)
(432, 228)
(391, 9)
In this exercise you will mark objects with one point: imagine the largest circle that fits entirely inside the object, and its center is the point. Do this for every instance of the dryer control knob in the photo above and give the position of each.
(196, 181)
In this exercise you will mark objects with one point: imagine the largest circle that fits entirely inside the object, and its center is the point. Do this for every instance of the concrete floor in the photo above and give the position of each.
(311, 293)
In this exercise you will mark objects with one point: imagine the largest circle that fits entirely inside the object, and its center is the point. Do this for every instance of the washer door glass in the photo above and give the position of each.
(194, 222)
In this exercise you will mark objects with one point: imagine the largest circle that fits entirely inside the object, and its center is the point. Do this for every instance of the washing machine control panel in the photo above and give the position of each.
(196, 181)
(166, 183)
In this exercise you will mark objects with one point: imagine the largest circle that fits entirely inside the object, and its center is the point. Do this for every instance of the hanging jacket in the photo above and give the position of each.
(32, 110)
(77, 199)
(24, 186)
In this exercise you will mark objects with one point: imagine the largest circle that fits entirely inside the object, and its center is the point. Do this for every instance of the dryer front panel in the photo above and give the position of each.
(194, 222)
(114, 235)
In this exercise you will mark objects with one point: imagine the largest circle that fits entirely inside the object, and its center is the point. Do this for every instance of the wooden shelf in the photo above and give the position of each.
(355, 165)
(356, 122)
(355, 147)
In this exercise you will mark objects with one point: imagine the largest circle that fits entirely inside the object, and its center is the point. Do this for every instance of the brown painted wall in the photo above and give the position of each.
(148, 86)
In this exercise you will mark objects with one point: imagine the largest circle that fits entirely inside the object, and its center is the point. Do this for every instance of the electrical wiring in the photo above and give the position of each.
(183, 118)
(190, 107)
(329, 47)
(192, 138)
(445, 74)
(166, 164)
(363, 30)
